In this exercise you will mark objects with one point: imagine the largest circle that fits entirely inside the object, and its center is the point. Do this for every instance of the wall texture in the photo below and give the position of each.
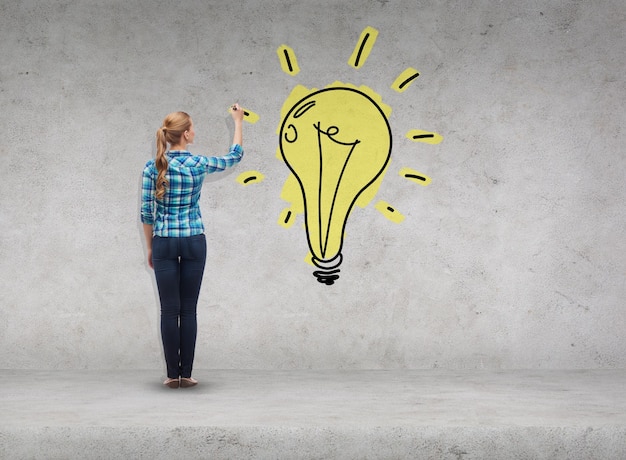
(512, 257)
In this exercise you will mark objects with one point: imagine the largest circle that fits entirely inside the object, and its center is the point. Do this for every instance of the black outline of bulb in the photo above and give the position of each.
(328, 268)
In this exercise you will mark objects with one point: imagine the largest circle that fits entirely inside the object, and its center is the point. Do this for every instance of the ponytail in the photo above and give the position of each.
(161, 163)
(174, 125)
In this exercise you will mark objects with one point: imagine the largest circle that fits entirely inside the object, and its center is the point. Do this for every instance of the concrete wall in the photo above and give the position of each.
(512, 257)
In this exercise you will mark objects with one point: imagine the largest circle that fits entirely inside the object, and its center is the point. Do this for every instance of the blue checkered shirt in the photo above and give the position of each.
(177, 214)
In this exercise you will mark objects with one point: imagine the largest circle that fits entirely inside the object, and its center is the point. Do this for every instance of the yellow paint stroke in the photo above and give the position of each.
(288, 60)
(417, 135)
(250, 177)
(415, 176)
(291, 193)
(248, 115)
(405, 79)
(389, 212)
(363, 48)
(287, 218)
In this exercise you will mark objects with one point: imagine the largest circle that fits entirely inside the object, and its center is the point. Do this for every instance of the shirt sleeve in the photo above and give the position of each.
(147, 196)
(233, 157)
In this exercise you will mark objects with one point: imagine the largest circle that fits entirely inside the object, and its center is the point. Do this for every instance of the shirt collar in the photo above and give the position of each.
(178, 152)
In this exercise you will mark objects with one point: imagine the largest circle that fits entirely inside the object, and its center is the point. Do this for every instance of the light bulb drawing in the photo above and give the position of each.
(337, 144)
(336, 141)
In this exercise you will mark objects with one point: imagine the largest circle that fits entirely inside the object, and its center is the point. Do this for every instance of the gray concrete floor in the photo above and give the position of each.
(307, 399)
(232, 397)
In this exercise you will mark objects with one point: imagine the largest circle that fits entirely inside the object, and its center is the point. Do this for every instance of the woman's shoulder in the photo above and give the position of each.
(183, 155)
(192, 159)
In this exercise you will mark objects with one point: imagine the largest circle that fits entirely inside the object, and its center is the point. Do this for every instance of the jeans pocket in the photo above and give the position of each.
(160, 248)
(197, 247)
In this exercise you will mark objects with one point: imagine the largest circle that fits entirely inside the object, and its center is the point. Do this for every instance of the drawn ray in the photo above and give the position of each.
(288, 60)
(363, 48)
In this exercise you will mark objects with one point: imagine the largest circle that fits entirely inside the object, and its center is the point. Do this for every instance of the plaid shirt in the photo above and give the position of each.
(177, 214)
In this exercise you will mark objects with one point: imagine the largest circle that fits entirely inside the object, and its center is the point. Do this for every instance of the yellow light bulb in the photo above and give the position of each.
(336, 141)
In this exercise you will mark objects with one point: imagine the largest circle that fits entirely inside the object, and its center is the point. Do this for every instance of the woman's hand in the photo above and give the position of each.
(236, 112)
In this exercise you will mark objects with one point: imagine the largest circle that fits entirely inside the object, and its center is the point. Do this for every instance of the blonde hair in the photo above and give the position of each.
(174, 126)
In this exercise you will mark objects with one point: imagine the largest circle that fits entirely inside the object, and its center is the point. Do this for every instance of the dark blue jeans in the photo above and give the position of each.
(178, 268)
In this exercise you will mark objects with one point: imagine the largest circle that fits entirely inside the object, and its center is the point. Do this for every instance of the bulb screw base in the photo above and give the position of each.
(328, 271)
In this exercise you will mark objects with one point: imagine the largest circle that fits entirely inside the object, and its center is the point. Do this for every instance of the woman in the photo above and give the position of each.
(174, 232)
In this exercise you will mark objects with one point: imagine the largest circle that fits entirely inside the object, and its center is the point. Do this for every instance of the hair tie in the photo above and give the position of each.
(164, 129)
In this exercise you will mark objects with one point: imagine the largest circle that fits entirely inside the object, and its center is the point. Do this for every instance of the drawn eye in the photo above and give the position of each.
(291, 134)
